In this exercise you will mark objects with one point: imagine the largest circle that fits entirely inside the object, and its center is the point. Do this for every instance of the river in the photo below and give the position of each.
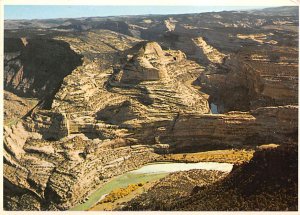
(149, 172)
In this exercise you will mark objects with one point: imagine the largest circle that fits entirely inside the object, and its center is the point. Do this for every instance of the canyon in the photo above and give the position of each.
(89, 99)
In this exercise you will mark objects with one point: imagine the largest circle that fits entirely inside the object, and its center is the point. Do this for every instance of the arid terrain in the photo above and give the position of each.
(89, 99)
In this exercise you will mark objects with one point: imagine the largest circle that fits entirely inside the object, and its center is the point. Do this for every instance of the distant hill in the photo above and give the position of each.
(82, 23)
(279, 11)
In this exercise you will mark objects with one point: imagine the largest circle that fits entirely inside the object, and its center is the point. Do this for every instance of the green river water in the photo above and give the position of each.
(149, 172)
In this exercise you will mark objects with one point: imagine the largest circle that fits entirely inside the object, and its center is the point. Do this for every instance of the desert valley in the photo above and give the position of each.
(152, 112)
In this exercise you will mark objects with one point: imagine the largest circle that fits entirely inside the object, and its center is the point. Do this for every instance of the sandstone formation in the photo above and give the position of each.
(145, 63)
(213, 55)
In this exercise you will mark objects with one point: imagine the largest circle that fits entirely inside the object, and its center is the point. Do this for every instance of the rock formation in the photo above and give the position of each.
(145, 63)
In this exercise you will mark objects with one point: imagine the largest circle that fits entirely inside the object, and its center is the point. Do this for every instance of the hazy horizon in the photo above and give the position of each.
(18, 12)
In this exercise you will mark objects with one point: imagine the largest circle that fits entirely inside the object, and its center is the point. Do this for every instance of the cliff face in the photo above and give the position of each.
(254, 78)
(36, 67)
(191, 132)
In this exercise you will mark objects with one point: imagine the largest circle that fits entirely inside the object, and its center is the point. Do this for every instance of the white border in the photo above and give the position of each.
(1, 99)
(155, 2)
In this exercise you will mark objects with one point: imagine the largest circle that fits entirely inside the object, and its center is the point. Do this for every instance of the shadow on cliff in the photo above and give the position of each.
(37, 67)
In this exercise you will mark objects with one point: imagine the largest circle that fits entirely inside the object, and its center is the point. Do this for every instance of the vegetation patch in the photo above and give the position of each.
(121, 192)
(223, 156)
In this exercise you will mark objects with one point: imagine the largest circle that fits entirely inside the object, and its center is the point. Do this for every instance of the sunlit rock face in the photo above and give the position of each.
(145, 62)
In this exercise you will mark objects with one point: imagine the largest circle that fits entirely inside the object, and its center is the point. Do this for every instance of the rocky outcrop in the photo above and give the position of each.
(117, 114)
(16, 107)
(51, 125)
(209, 52)
(145, 63)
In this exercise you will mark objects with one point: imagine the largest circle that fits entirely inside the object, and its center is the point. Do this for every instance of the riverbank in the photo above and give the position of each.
(115, 183)
(171, 189)
(219, 156)
(268, 183)
(148, 173)
(120, 202)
